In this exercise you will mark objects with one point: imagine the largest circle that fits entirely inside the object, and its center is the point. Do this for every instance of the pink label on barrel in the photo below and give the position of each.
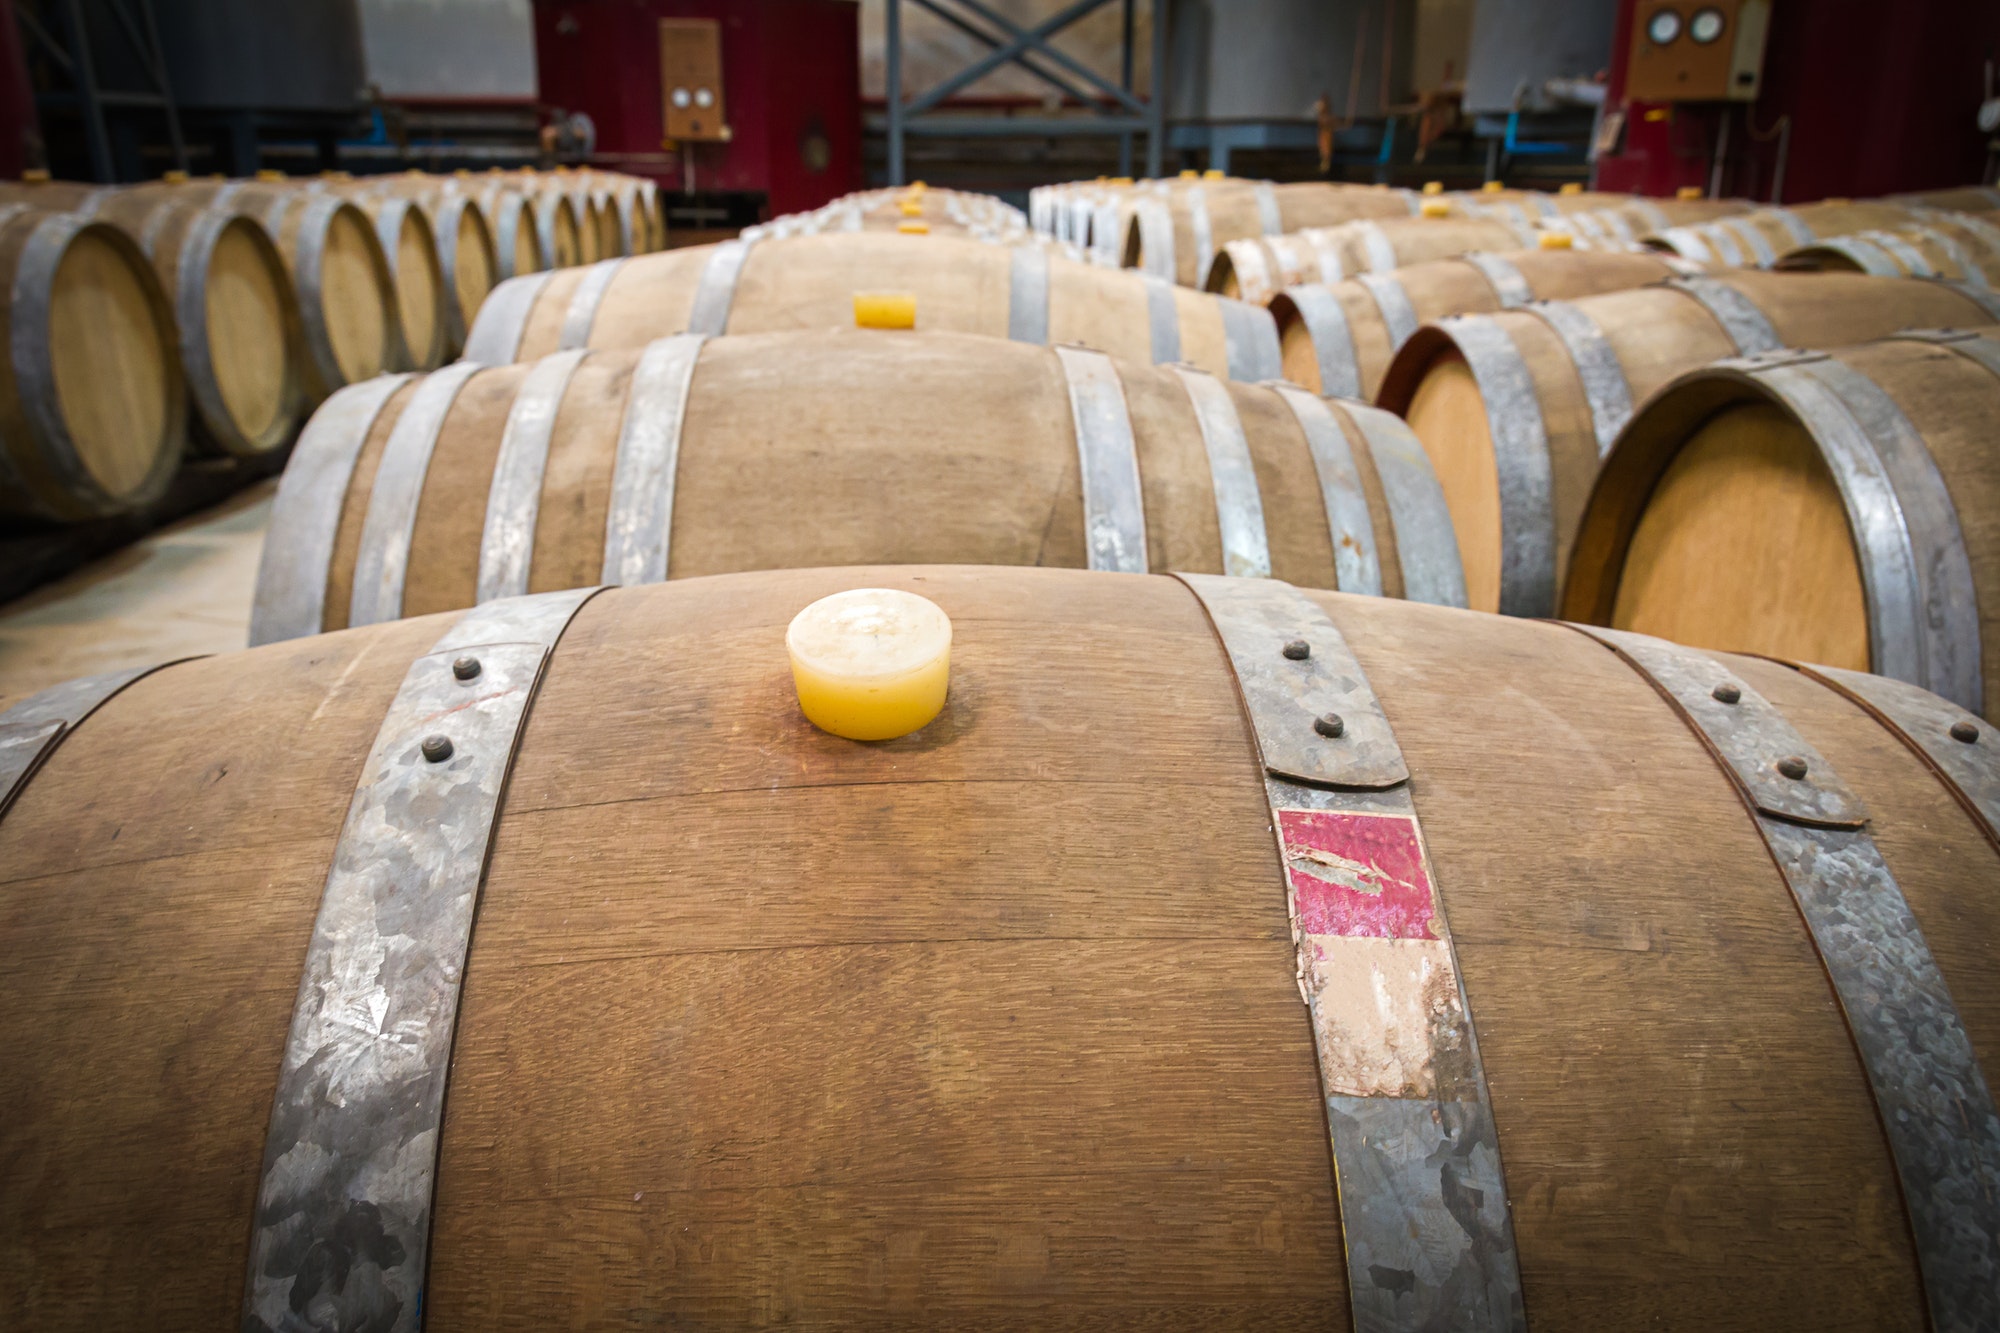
(1354, 874)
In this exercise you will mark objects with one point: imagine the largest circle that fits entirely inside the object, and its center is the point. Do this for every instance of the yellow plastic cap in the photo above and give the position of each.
(1493, 187)
(269, 174)
(885, 310)
(871, 664)
(1433, 187)
(910, 208)
(914, 228)
(1121, 180)
(918, 187)
(1212, 175)
(174, 177)
(1189, 174)
(1688, 192)
(1569, 187)
(1435, 208)
(1654, 115)
(1555, 240)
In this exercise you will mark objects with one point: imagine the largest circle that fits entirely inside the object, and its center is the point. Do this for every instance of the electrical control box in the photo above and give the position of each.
(1697, 50)
(691, 79)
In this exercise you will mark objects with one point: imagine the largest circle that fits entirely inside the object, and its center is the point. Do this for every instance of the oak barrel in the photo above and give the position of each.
(1962, 247)
(1852, 498)
(410, 244)
(235, 314)
(778, 450)
(1337, 338)
(1756, 239)
(1258, 269)
(1627, 221)
(517, 249)
(809, 282)
(1516, 408)
(1175, 233)
(93, 410)
(742, 1022)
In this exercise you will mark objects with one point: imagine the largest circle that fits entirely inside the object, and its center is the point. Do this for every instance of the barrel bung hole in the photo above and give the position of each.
(1744, 546)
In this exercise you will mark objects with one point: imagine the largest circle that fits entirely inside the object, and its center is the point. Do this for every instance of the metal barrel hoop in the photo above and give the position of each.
(1521, 456)
(382, 563)
(1356, 558)
(1239, 508)
(1605, 389)
(638, 528)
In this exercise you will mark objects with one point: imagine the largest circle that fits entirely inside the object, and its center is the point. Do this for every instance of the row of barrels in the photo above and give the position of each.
(210, 315)
(742, 1021)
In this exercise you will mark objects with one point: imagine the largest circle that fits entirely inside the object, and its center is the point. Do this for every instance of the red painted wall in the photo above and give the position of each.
(790, 70)
(1881, 95)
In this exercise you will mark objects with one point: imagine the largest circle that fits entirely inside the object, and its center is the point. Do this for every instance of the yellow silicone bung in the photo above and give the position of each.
(1654, 115)
(1433, 187)
(35, 176)
(871, 664)
(1555, 240)
(885, 310)
(268, 174)
(914, 228)
(910, 208)
(1435, 208)
(1570, 187)
(1688, 192)
(1121, 180)
(1213, 175)
(174, 177)
(918, 187)
(1189, 174)
(1493, 187)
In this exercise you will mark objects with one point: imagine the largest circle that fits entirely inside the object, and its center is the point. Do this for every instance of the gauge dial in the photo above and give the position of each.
(1664, 26)
(1706, 25)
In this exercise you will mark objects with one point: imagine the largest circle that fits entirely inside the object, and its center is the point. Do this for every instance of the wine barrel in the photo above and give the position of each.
(1338, 338)
(795, 282)
(93, 410)
(737, 1019)
(1626, 222)
(410, 244)
(1757, 238)
(466, 253)
(1528, 208)
(1851, 496)
(1516, 408)
(1957, 246)
(235, 315)
(1257, 269)
(559, 232)
(1966, 199)
(636, 465)
(517, 249)
(1175, 235)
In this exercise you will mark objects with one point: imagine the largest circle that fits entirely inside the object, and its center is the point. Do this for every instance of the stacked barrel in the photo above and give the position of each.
(1242, 938)
(209, 316)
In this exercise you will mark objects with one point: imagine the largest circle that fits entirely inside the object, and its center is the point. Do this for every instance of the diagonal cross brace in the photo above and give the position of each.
(1024, 41)
(988, 40)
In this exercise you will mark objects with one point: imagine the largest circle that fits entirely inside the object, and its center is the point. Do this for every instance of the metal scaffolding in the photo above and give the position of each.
(73, 54)
(1117, 110)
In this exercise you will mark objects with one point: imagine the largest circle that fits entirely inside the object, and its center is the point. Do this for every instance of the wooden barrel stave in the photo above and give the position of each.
(1849, 603)
(797, 1120)
(1651, 335)
(1176, 232)
(919, 449)
(1258, 269)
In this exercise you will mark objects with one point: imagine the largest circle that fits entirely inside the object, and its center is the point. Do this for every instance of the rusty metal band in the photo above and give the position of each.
(1245, 259)
(1750, 239)
(1426, 543)
(1332, 340)
(1912, 259)
(1961, 749)
(31, 730)
(1521, 457)
(1156, 238)
(290, 600)
(638, 530)
(1268, 215)
(1114, 515)
(1686, 241)
(514, 499)
(1424, 1215)
(715, 293)
(1865, 255)
(1923, 620)
(1027, 295)
(1598, 369)
(1204, 234)
(1239, 508)
(496, 333)
(1801, 234)
(1936, 1110)
(1163, 320)
(1743, 322)
(1399, 317)
(1376, 249)
(581, 312)
(382, 564)
(1509, 284)
(350, 1159)
(1969, 271)
(1357, 565)
(1970, 344)
(1250, 340)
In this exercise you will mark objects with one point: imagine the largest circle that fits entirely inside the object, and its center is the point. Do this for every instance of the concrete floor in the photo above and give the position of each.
(181, 592)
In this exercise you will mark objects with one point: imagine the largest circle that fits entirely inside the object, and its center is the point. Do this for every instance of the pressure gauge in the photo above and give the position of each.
(1706, 25)
(704, 98)
(1664, 26)
(681, 99)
